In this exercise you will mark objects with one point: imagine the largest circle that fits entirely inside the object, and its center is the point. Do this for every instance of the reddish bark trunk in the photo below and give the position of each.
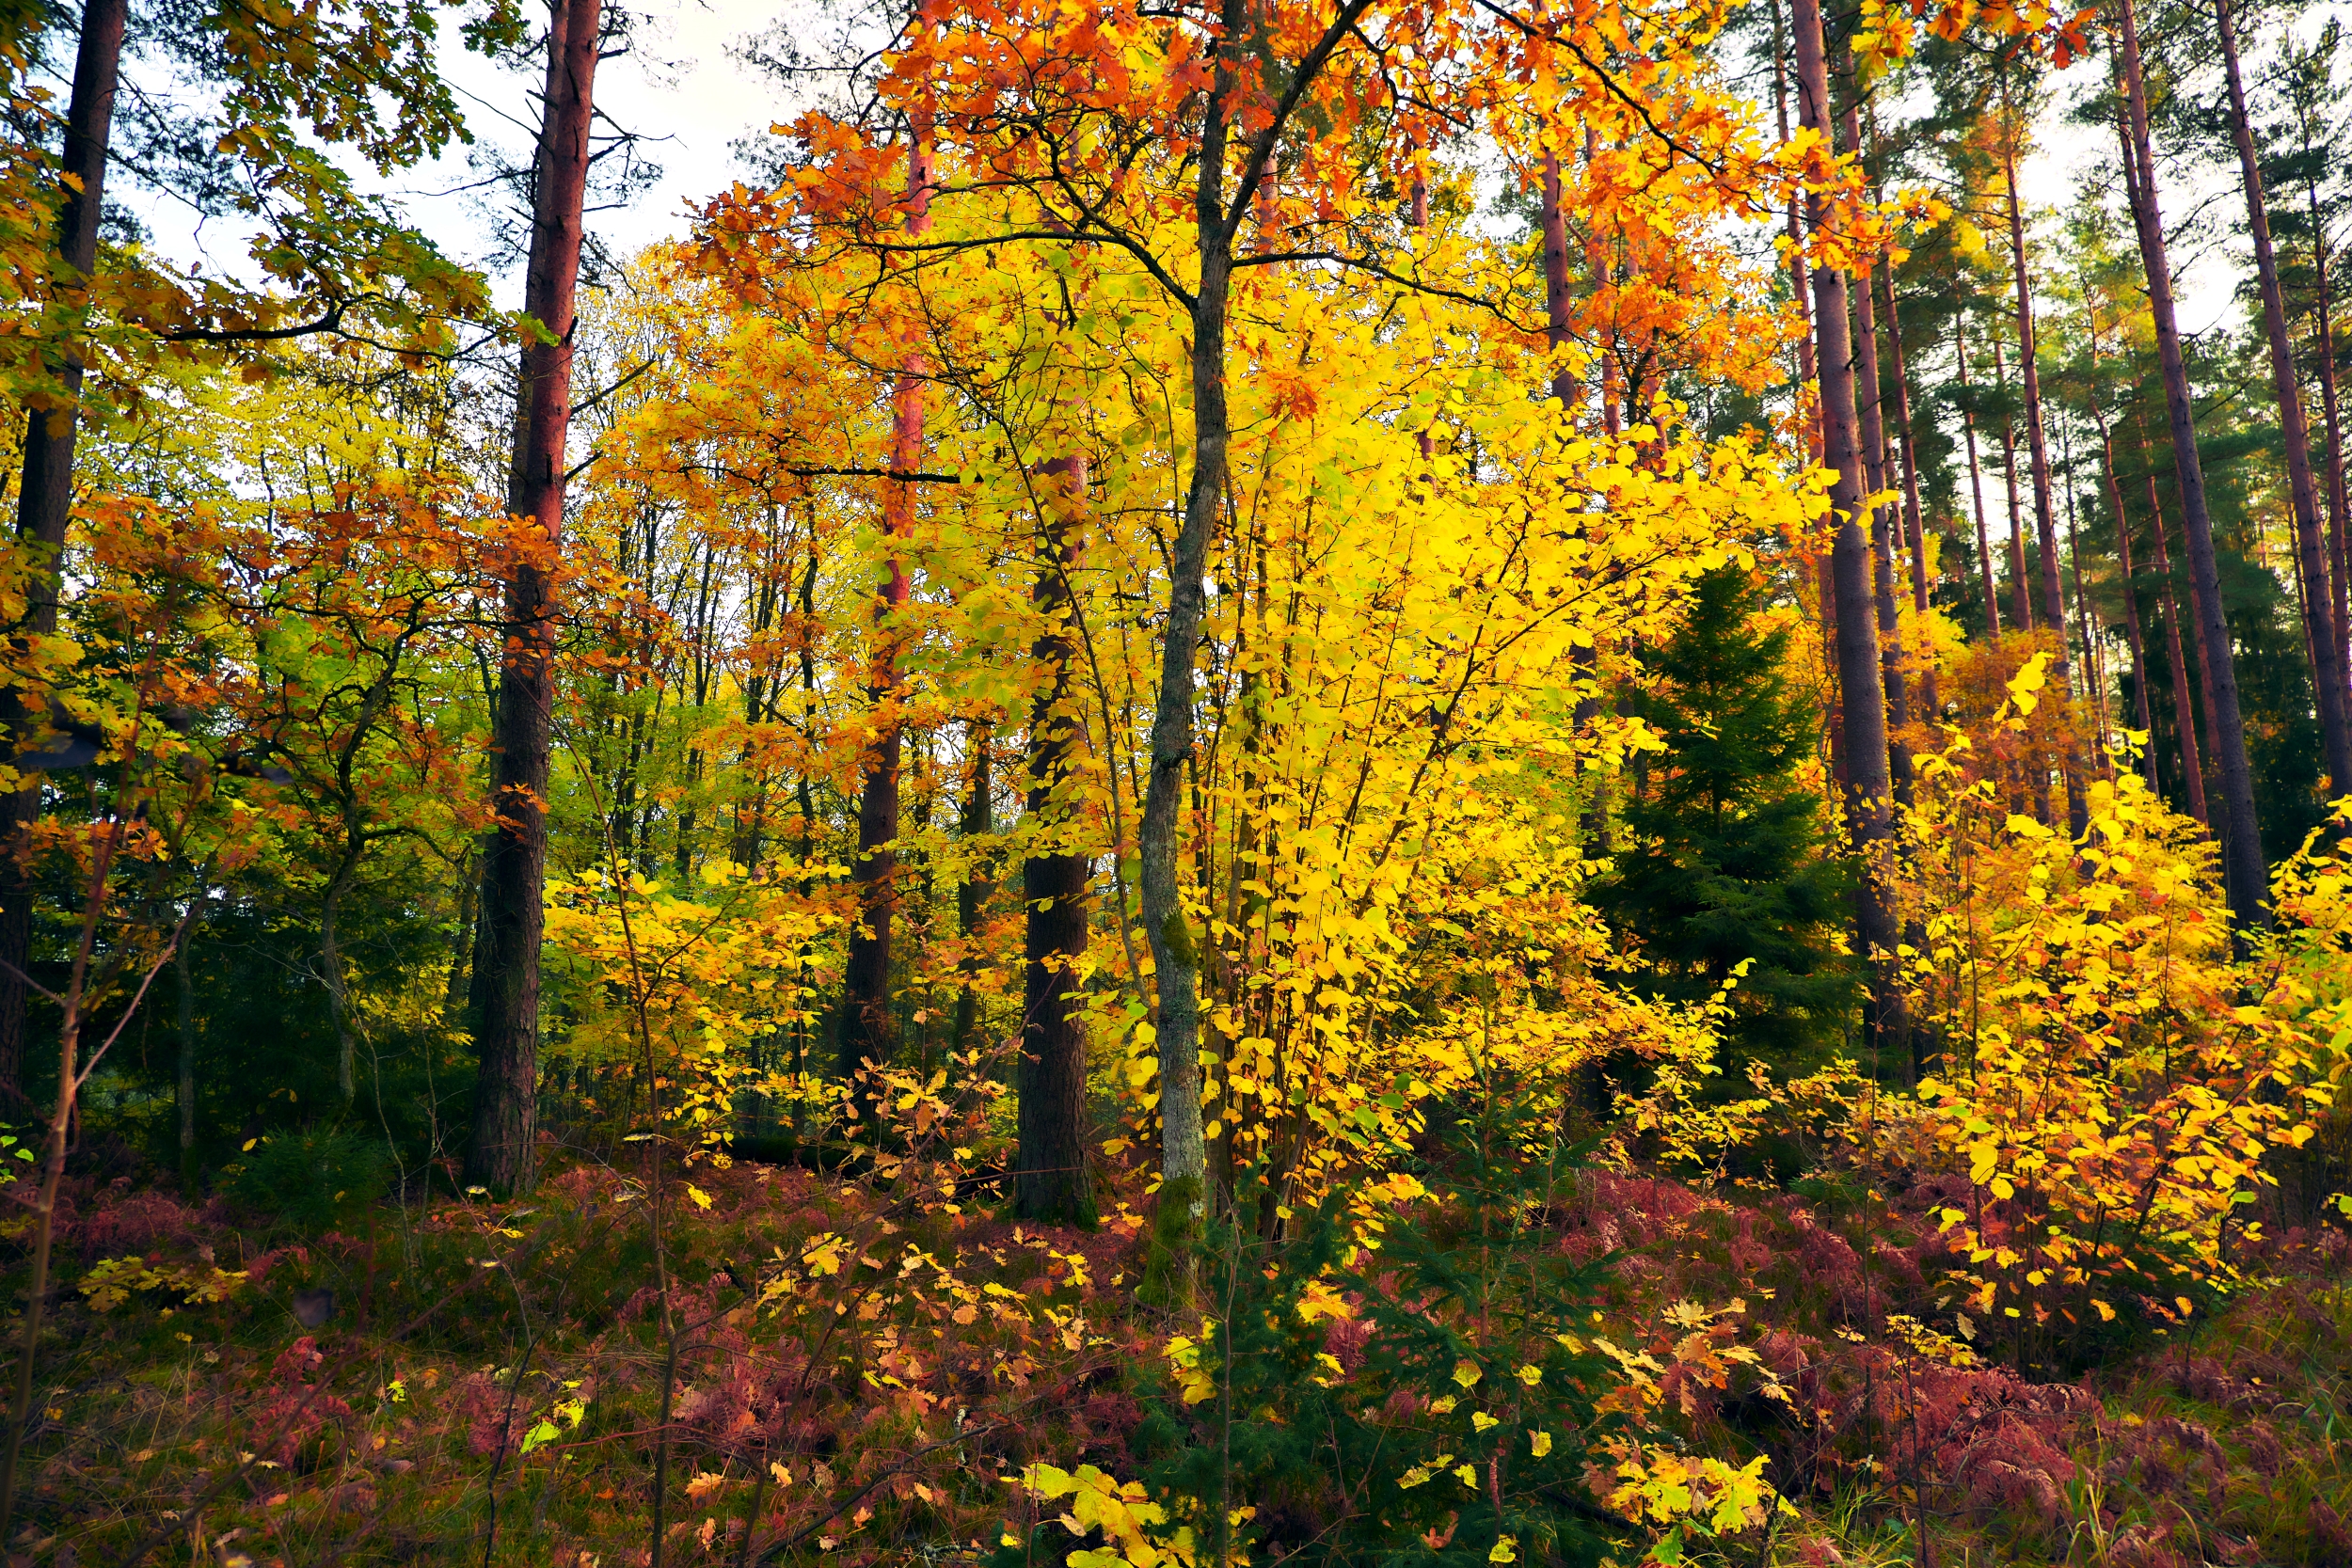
(870, 1033)
(2140, 709)
(1914, 516)
(2311, 552)
(2241, 839)
(1868, 395)
(2044, 506)
(1976, 491)
(2184, 708)
(514, 874)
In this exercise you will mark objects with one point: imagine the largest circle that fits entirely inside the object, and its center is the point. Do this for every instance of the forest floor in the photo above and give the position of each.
(858, 1377)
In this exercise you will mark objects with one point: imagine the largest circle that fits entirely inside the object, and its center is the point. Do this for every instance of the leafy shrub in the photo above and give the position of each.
(1432, 1402)
(309, 1177)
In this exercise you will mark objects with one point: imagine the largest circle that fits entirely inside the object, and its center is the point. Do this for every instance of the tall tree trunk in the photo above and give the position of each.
(2020, 610)
(1825, 586)
(804, 796)
(2085, 618)
(332, 970)
(978, 821)
(515, 854)
(2131, 597)
(1564, 387)
(2044, 502)
(183, 1084)
(1975, 488)
(1914, 516)
(1861, 700)
(2241, 839)
(2183, 704)
(869, 1025)
(1175, 958)
(2340, 610)
(45, 500)
(2311, 552)
(1870, 390)
(1049, 1172)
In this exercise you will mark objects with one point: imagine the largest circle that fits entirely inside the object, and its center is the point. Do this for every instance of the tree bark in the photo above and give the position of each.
(1564, 387)
(1050, 1171)
(1861, 700)
(2242, 859)
(978, 820)
(2021, 612)
(1868, 391)
(1914, 516)
(868, 1024)
(2044, 506)
(1175, 958)
(1826, 588)
(183, 1084)
(514, 874)
(1975, 488)
(2311, 552)
(2131, 600)
(2338, 587)
(2183, 704)
(45, 500)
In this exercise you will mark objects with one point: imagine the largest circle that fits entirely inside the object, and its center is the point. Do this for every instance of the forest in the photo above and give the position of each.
(1378, 784)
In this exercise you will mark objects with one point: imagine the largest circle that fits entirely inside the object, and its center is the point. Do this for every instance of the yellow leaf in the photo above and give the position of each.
(1465, 1373)
(702, 1199)
(1506, 1549)
(1540, 1442)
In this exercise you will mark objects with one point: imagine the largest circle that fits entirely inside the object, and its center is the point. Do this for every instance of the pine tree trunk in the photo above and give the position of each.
(2183, 704)
(870, 1033)
(1975, 490)
(1825, 589)
(2248, 871)
(2311, 552)
(1914, 516)
(2021, 612)
(2340, 610)
(2044, 506)
(1869, 392)
(514, 872)
(46, 501)
(1861, 700)
(1050, 1171)
(2131, 599)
